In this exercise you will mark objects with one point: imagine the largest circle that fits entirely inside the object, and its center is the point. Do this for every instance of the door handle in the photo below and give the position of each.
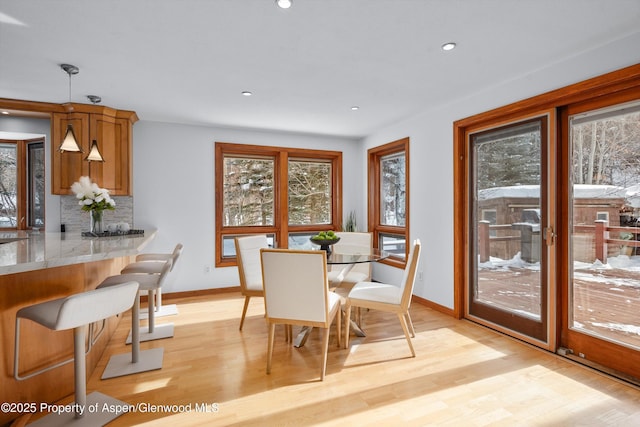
(549, 236)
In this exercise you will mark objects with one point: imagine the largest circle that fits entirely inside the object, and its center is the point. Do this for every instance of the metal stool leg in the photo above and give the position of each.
(139, 361)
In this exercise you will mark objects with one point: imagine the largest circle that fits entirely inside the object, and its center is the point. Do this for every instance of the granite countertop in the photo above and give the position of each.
(27, 251)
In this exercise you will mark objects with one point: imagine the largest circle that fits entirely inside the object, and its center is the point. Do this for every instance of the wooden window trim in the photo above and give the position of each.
(281, 227)
(373, 200)
(21, 180)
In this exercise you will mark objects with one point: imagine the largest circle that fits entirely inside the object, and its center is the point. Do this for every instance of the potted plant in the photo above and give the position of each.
(350, 224)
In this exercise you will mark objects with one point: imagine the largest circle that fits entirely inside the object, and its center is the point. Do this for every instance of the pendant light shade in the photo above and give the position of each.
(94, 154)
(70, 143)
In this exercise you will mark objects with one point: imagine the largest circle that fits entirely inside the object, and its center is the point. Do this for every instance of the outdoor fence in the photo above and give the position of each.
(593, 242)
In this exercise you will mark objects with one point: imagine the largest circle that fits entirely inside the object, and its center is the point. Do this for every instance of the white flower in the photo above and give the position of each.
(91, 197)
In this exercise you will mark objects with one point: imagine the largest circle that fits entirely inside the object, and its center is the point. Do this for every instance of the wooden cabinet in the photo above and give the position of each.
(113, 131)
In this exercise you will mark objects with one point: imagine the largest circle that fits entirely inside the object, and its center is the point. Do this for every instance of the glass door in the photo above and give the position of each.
(603, 312)
(510, 231)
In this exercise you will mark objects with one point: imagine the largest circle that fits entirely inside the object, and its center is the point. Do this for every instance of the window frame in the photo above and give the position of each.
(374, 157)
(281, 227)
(23, 173)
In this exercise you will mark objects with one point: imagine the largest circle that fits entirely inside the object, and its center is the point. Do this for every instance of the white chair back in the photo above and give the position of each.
(166, 268)
(355, 243)
(295, 285)
(177, 251)
(409, 275)
(91, 306)
(248, 255)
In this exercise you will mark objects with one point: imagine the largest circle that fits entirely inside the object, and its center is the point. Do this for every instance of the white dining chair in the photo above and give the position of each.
(345, 277)
(387, 297)
(249, 268)
(296, 292)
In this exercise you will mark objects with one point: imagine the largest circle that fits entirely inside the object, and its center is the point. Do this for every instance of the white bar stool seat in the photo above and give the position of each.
(151, 263)
(76, 312)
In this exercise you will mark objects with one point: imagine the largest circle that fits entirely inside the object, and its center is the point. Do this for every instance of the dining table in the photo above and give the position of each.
(345, 261)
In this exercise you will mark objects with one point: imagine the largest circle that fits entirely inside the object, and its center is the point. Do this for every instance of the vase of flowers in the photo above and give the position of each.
(94, 200)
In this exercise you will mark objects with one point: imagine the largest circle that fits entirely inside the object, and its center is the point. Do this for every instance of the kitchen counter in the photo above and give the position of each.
(40, 266)
(28, 251)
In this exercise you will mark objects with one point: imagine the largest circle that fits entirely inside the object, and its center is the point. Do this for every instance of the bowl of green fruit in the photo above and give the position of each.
(325, 239)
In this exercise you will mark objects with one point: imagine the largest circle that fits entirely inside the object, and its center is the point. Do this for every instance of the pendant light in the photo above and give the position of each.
(70, 143)
(94, 154)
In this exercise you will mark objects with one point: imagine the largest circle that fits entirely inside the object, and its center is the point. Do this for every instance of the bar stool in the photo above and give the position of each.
(151, 266)
(76, 312)
(139, 361)
(150, 283)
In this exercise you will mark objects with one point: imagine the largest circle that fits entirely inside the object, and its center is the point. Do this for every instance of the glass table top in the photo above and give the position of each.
(353, 258)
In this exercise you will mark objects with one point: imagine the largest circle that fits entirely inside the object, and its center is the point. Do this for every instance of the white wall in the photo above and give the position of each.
(431, 156)
(174, 178)
(174, 191)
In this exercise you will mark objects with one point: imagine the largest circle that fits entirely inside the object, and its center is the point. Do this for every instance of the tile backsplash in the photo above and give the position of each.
(77, 220)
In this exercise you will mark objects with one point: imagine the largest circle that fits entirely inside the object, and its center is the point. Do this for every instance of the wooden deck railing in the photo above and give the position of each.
(600, 229)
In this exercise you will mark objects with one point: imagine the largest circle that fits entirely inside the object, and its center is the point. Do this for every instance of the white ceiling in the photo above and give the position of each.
(187, 61)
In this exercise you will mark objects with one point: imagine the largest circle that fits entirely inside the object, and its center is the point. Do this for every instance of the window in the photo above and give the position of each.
(21, 184)
(287, 193)
(389, 199)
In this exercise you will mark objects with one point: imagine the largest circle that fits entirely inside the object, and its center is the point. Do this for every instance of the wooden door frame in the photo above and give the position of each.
(582, 92)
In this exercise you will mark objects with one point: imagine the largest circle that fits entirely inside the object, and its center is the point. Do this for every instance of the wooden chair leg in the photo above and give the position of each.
(272, 332)
(347, 324)
(410, 323)
(405, 328)
(244, 310)
(325, 350)
(339, 326)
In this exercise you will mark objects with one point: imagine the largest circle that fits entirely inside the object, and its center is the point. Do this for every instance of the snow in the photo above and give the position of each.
(587, 272)
(580, 191)
(582, 270)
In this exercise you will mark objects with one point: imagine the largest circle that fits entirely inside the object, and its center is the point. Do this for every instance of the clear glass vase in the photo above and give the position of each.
(97, 224)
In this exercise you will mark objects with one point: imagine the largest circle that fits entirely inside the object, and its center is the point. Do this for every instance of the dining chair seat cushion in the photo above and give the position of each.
(379, 292)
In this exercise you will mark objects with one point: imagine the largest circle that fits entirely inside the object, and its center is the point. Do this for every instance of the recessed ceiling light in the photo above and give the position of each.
(448, 46)
(246, 93)
(5, 112)
(355, 108)
(284, 4)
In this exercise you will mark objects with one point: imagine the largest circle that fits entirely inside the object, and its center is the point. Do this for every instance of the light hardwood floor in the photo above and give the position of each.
(463, 375)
